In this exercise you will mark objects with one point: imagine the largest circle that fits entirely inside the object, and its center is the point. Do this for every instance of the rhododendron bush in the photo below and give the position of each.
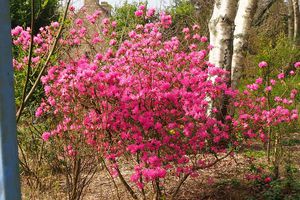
(147, 99)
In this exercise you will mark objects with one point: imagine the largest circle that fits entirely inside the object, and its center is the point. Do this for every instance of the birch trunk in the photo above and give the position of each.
(290, 20)
(221, 28)
(296, 22)
(243, 20)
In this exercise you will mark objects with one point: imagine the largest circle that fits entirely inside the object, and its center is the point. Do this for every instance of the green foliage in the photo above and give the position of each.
(185, 14)
(126, 19)
(287, 189)
(279, 54)
(45, 12)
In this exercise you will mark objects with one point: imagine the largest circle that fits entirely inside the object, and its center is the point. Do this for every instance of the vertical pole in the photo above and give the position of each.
(9, 170)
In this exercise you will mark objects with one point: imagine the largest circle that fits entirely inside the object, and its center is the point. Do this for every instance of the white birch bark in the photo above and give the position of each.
(290, 20)
(243, 20)
(221, 28)
(296, 22)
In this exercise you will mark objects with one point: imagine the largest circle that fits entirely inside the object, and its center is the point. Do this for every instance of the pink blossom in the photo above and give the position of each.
(253, 86)
(72, 8)
(259, 80)
(196, 27)
(268, 179)
(186, 30)
(36, 59)
(203, 39)
(142, 7)
(150, 12)
(139, 13)
(46, 136)
(297, 64)
(262, 64)
(280, 76)
(268, 88)
(55, 24)
(78, 22)
(273, 82)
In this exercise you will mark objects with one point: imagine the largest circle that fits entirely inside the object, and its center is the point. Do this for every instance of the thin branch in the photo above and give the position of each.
(29, 59)
(260, 15)
(195, 169)
(129, 189)
(112, 178)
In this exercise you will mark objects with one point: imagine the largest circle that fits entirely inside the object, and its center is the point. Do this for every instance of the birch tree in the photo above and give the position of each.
(243, 20)
(296, 22)
(221, 28)
(290, 20)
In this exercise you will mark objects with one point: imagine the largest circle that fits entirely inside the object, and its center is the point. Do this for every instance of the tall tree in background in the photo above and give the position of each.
(290, 20)
(221, 27)
(45, 12)
(243, 19)
(296, 22)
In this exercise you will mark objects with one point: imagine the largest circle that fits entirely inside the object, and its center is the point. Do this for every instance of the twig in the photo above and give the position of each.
(129, 189)
(29, 60)
(112, 178)
(195, 169)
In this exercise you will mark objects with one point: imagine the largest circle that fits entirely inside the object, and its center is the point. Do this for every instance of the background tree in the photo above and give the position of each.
(45, 12)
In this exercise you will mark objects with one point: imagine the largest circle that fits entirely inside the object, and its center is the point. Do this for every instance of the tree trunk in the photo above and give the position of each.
(262, 11)
(296, 22)
(221, 28)
(290, 20)
(243, 20)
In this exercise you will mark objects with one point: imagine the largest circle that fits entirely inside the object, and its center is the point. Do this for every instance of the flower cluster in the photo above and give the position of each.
(41, 44)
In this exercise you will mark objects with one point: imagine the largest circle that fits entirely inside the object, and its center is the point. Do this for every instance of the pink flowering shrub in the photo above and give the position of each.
(148, 99)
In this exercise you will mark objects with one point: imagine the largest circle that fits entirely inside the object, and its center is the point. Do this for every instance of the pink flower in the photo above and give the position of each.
(259, 80)
(262, 64)
(55, 24)
(196, 27)
(78, 22)
(46, 136)
(142, 7)
(138, 13)
(186, 30)
(99, 56)
(112, 42)
(253, 86)
(16, 31)
(39, 112)
(280, 76)
(203, 39)
(36, 59)
(273, 82)
(297, 64)
(268, 179)
(105, 21)
(150, 12)
(72, 8)
(113, 23)
(166, 20)
(268, 88)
